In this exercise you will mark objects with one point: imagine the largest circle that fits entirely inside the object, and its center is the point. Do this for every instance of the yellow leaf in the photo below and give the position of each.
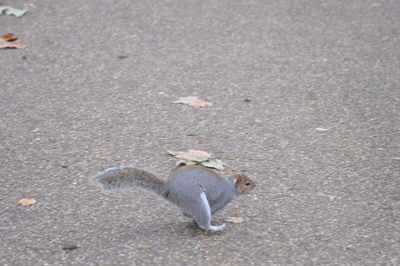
(27, 202)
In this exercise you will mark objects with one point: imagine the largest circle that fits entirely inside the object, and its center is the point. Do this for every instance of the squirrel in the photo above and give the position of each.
(197, 190)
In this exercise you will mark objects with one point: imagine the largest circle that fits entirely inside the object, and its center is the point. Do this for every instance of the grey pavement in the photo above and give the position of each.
(306, 100)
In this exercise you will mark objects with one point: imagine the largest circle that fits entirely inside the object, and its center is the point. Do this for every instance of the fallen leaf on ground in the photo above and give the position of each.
(193, 101)
(217, 164)
(8, 10)
(236, 220)
(10, 41)
(146, 246)
(26, 202)
(191, 155)
(202, 141)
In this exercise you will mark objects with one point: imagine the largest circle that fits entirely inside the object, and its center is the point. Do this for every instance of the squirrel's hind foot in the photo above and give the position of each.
(214, 228)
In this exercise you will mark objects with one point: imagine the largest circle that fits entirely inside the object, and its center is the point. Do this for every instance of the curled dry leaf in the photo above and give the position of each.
(235, 220)
(26, 202)
(10, 41)
(193, 101)
(197, 157)
(191, 155)
(8, 10)
(217, 164)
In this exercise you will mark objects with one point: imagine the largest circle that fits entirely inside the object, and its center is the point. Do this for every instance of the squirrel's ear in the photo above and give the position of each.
(238, 179)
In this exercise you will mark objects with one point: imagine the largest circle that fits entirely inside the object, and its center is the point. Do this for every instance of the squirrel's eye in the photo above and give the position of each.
(247, 183)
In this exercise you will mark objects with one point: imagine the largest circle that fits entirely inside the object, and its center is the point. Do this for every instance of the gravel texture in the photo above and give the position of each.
(306, 99)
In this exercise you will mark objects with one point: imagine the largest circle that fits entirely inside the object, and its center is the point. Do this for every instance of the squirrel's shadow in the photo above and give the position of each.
(160, 229)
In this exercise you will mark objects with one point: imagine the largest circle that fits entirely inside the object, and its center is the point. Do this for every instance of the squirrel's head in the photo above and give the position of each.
(243, 184)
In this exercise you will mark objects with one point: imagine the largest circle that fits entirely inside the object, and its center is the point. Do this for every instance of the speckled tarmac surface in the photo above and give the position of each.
(306, 99)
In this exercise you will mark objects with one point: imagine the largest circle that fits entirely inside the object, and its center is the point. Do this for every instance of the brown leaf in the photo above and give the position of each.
(202, 141)
(193, 101)
(26, 202)
(236, 220)
(10, 41)
(10, 37)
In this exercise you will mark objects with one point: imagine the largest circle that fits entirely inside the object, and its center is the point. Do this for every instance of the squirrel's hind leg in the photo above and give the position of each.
(202, 215)
(190, 216)
(187, 215)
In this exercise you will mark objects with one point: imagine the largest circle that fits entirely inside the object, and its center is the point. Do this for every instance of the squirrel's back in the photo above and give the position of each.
(198, 175)
(191, 179)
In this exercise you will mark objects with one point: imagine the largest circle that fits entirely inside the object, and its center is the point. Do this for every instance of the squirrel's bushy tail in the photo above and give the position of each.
(121, 178)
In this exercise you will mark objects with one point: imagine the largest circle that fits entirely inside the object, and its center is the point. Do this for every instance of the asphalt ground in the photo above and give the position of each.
(306, 102)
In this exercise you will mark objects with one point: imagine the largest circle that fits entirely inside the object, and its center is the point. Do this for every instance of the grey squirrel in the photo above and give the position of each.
(197, 190)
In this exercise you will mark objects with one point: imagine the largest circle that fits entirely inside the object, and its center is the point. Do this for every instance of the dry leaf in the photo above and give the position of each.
(236, 220)
(193, 101)
(9, 10)
(197, 157)
(27, 202)
(191, 155)
(202, 141)
(217, 164)
(10, 41)
(10, 37)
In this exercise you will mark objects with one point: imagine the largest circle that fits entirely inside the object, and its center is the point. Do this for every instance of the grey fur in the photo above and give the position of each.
(125, 177)
(198, 191)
